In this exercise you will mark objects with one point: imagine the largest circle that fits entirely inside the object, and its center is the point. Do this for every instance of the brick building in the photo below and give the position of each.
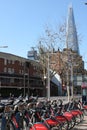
(20, 75)
(69, 61)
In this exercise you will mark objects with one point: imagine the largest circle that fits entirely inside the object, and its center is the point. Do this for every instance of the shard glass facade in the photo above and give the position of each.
(71, 33)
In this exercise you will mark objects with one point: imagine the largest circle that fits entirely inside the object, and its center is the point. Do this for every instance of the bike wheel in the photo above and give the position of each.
(85, 112)
(78, 119)
(65, 126)
(64, 122)
(82, 117)
(72, 122)
(9, 126)
(25, 127)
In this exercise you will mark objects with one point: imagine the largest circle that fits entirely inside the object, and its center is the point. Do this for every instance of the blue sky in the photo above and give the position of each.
(22, 22)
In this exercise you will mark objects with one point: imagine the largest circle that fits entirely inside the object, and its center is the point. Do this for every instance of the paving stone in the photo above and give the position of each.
(82, 125)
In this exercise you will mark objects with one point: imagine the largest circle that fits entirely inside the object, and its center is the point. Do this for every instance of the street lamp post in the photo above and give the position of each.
(26, 75)
(24, 85)
(68, 64)
(48, 83)
(24, 79)
(26, 67)
(72, 93)
(28, 84)
(68, 93)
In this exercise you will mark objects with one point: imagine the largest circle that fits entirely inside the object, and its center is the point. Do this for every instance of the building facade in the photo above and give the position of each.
(19, 75)
(70, 66)
(69, 63)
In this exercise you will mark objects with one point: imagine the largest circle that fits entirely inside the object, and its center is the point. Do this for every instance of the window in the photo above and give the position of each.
(5, 69)
(5, 61)
(11, 80)
(9, 61)
(12, 70)
(20, 72)
(12, 61)
(9, 70)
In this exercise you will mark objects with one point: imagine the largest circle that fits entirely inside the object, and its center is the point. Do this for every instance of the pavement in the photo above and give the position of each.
(82, 125)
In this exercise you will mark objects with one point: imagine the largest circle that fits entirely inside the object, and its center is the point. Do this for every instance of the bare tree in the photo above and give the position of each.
(49, 43)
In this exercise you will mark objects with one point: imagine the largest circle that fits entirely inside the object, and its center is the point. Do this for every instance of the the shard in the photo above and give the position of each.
(71, 33)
